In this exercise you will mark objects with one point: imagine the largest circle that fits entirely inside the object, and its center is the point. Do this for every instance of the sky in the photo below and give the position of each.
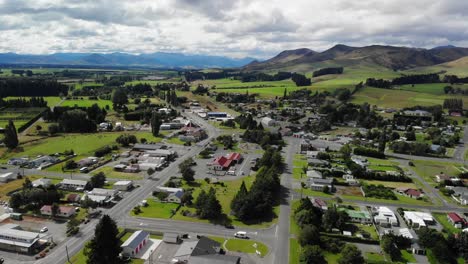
(234, 28)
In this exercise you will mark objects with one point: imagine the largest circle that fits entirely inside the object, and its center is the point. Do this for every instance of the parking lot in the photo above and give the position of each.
(239, 170)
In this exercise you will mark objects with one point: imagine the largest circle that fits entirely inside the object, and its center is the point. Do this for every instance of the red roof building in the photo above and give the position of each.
(456, 220)
(63, 211)
(413, 193)
(224, 162)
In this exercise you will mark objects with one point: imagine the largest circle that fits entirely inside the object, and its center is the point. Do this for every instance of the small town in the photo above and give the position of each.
(239, 147)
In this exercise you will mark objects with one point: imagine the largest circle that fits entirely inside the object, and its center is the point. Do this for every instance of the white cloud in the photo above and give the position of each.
(226, 27)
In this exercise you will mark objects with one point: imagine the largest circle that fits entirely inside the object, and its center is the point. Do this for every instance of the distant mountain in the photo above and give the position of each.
(396, 58)
(158, 59)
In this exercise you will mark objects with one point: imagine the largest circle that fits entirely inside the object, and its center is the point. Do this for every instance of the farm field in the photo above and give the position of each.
(398, 98)
(430, 88)
(20, 116)
(85, 102)
(82, 144)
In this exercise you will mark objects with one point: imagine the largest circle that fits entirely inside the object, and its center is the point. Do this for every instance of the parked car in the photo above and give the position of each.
(44, 229)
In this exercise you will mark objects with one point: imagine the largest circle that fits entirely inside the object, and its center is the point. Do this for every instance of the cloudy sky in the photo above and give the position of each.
(235, 28)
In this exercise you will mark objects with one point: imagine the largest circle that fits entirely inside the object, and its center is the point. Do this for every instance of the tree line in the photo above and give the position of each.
(31, 87)
(24, 102)
(403, 80)
(326, 71)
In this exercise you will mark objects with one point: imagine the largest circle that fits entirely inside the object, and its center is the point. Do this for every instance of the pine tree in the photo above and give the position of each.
(11, 137)
(285, 93)
(155, 123)
(238, 200)
(383, 140)
(105, 246)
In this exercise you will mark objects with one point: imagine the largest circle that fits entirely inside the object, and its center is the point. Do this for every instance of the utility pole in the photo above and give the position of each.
(68, 256)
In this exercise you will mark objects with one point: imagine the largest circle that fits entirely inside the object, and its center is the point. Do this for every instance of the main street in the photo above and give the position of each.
(120, 211)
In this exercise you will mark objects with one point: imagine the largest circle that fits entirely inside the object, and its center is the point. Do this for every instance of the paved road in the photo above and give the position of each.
(120, 210)
(282, 234)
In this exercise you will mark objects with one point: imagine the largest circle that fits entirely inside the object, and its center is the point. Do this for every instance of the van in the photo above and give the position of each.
(241, 234)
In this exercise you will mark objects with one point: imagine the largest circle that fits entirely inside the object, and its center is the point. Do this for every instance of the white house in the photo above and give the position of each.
(73, 184)
(135, 243)
(266, 121)
(175, 197)
(103, 192)
(385, 217)
(7, 177)
(312, 154)
(123, 185)
(42, 182)
(418, 219)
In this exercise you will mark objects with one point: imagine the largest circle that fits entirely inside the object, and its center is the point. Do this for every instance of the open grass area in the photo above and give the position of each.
(309, 192)
(401, 200)
(428, 169)
(80, 143)
(20, 116)
(111, 173)
(443, 220)
(370, 229)
(294, 251)
(225, 192)
(51, 100)
(299, 162)
(85, 102)
(6, 188)
(175, 140)
(373, 257)
(157, 209)
(246, 246)
(398, 98)
(392, 184)
(294, 229)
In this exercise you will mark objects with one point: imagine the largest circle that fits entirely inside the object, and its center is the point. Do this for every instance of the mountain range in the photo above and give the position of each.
(157, 60)
(395, 58)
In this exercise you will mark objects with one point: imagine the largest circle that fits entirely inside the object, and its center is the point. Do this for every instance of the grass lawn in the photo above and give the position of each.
(381, 162)
(85, 102)
(428, 169)
(80, 143)
(293, 227)
(407, 256)
(111, 173)
(246, 246)
(331, 257)
(299, 162)
(392, 184)
(157, 209)
(368, 229)
(373, 257)
(175, 140)
(401, 200)
(309, 192)
(442, 219)
(225, 194)
(11, 186)
(294, 251)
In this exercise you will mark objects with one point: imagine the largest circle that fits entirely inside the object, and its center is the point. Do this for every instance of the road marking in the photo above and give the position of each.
(276, 231)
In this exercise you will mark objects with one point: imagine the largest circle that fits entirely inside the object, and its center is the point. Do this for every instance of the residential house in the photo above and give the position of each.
(192, 134)
(306, 145)
(43, 182)
(18, 161)
(456, 220)
(135, 243)
(203, 251)
(385, 217)
(442, 177)
(216, 114)
(418, 219)
(174, 195)
(285, 132)
(319, 203)
(268, 122)
(317, 162)
(318, 184)
(6, 177)
(312, 154)
(77, 185)
(350, 180)
(314, 174)
(43, 161)
(86, 162)
(164, 153)
(63, 211)
(355, 216)
(73, 198)
(409, 192)
(103, 192)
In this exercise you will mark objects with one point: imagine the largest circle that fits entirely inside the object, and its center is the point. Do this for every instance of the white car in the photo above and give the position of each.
(241, 234)
(44, 229)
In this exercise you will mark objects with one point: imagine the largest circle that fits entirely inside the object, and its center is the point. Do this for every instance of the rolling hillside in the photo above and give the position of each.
(394, 58)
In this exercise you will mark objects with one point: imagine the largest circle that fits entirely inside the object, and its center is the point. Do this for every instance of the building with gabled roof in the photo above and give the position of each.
(12, 238)
(135, 243)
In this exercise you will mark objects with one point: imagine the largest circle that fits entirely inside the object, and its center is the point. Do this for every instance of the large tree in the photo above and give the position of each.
(98, 180)
(309, 235)
(208, 206)
(312, 255)
(11, 137)
(119, 98)
(351, 255)
(105, 247)
(156, 122)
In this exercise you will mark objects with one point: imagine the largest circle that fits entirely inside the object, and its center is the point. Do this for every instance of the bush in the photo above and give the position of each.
(369, 152)
(103, 151)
